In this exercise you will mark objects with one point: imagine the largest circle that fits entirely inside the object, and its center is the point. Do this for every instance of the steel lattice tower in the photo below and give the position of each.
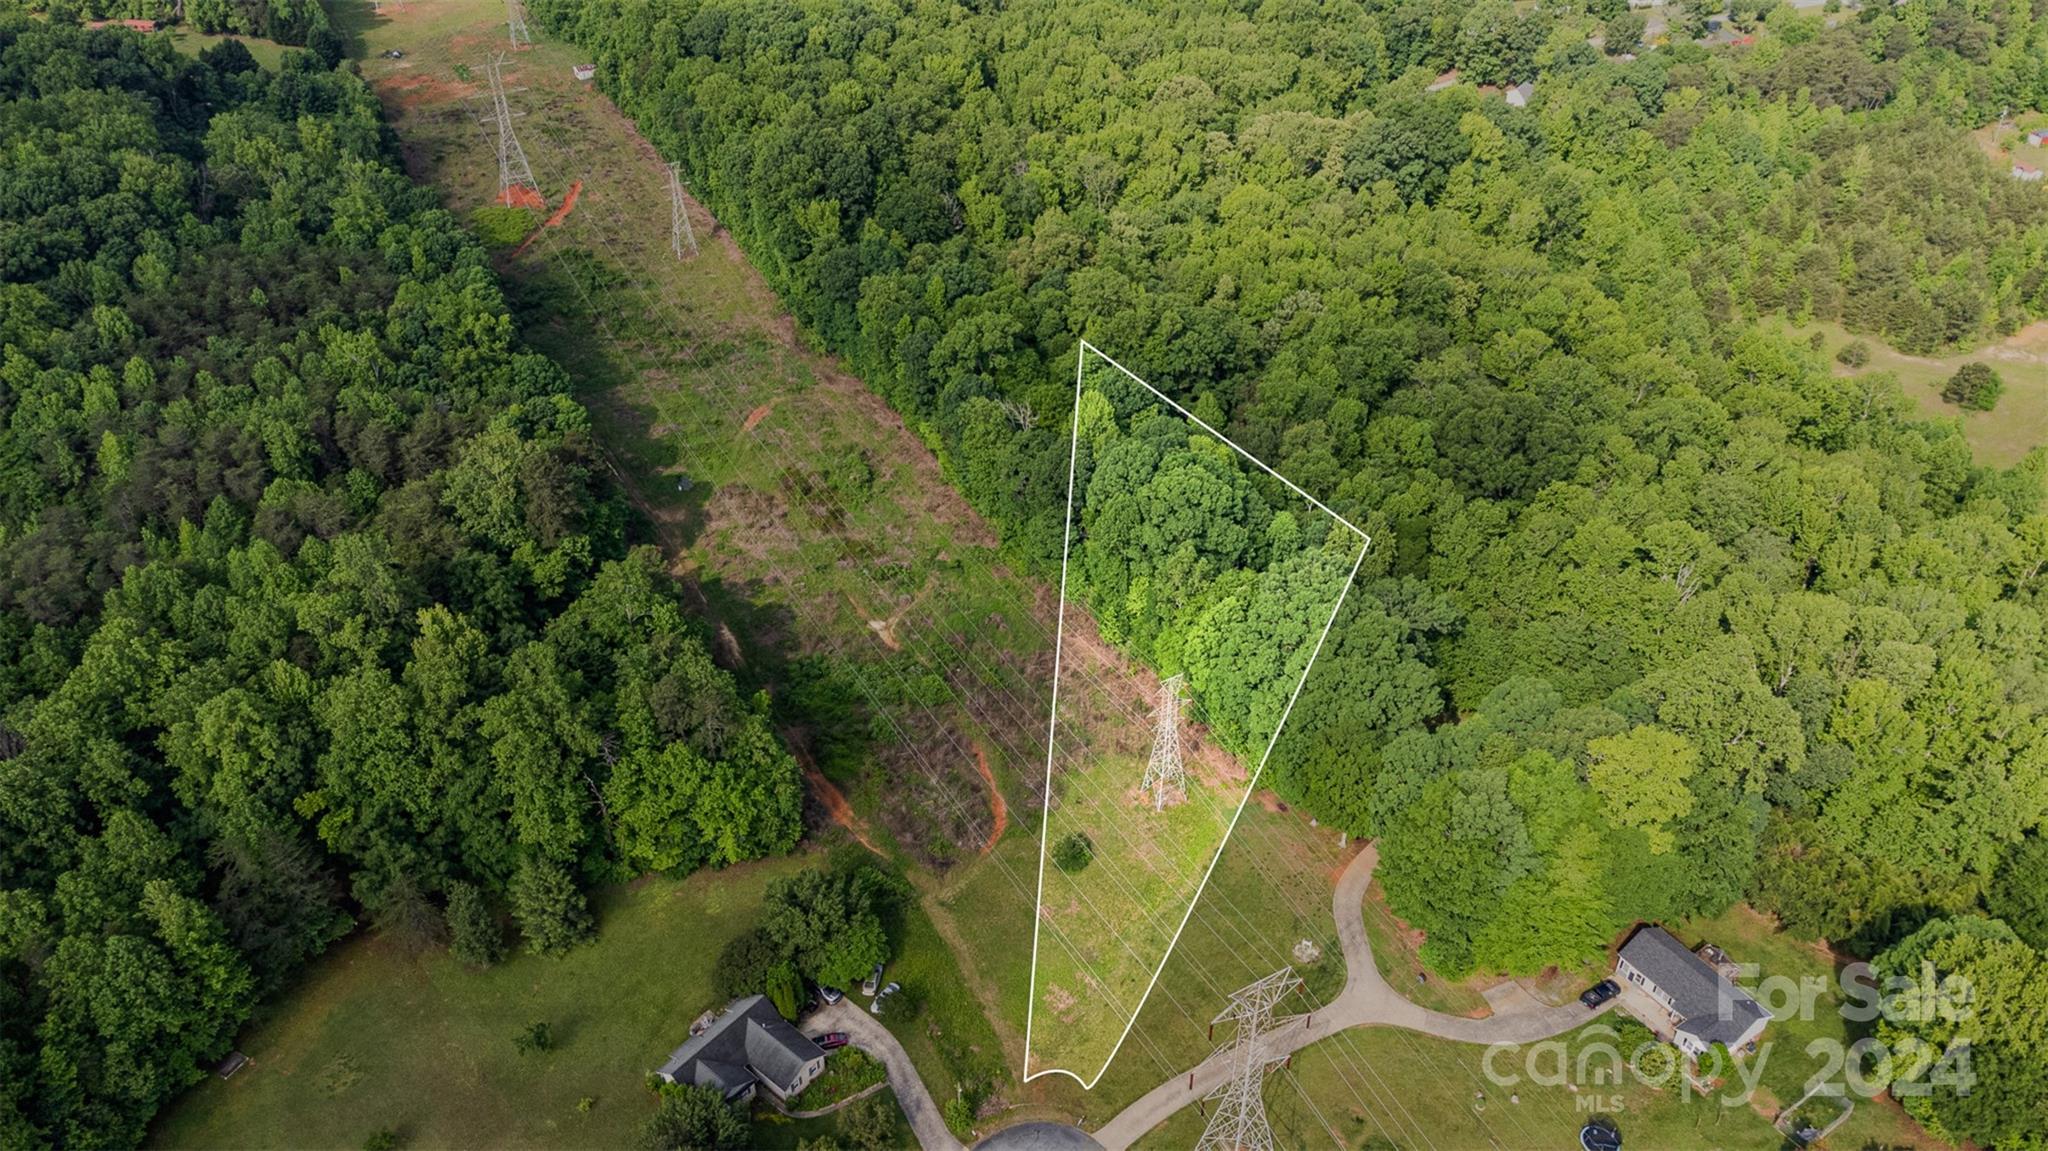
(513, 171)
(515, 24)
(1166, 777)
(679, 230)
(1239, 1121)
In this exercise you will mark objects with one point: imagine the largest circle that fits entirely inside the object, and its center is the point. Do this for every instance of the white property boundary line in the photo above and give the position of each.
(1052, 722)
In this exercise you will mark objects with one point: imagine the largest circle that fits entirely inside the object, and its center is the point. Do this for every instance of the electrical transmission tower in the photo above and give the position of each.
(679, 230)
(515, 24)
(1239, 1121)
(513, 171)
(1165, 776)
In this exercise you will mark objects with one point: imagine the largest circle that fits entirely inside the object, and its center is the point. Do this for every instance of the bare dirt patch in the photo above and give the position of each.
(755, 417)
(407, 91)
(1000, 810)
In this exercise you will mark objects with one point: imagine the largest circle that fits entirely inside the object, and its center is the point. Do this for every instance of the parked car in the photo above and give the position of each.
(832, 1040)
(892, 988)
(1600, 993)
(1600, 1135)
(830, 995)
(874, 978)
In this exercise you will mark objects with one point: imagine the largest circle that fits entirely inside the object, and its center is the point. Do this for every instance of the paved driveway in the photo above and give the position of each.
(1366, 1001)
(868, 1034)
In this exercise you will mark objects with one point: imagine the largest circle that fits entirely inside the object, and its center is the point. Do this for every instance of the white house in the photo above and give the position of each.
(1703, 1007)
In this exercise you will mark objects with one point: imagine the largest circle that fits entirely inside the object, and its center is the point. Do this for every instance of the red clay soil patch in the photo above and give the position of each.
(521, 196)
(995, 800)
(568, 205)
(755, 417)
(560, 214)
(408, 90)
(836, 806)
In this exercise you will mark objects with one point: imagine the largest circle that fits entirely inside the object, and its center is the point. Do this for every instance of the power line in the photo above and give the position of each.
(515, 25)
(513, 170)
(1166, 777)
(1239, 1123)
(1346, 1054)
(679, 230)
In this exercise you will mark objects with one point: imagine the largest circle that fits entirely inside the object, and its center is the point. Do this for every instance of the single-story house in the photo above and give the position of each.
(1702, 1006)
(1518, 96)
(2025, 172)
(2038, 137)
(749, 1044)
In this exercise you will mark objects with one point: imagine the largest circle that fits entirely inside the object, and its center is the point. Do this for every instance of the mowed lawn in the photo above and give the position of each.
(373, 1039)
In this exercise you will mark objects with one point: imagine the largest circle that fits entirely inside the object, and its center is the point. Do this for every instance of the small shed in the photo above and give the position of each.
(1518, 96)
(2025, 173)
(2038, 137)
(585, 71)
(226, 1068)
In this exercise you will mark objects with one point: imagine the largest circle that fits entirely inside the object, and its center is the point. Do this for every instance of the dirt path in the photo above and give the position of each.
(842, 812)
(995, 799)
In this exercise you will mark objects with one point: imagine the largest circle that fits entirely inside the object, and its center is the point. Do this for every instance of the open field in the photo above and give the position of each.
(373, 1038)
(2002, 436)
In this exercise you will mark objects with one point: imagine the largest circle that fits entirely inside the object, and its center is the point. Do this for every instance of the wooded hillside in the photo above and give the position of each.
(317, 605)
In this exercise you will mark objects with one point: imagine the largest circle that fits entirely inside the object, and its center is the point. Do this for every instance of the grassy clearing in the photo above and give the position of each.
(268, 53)
(2017, 426)
(376, 1039)
(774, 1131)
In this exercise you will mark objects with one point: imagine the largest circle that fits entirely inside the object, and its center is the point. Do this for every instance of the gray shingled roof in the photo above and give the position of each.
(750, 1040)
(1709, 1007)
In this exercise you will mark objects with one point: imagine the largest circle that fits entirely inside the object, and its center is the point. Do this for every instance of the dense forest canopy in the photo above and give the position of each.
(1663, 611)
(313, 606)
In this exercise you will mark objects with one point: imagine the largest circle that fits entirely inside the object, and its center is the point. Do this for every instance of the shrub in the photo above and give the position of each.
(381, 1140)
(1073, 853)
(694, 1117)
(959, 1116)
(537, 1036)
(499, 226)
(473, 935)
(1853, 354)
(1975, 386)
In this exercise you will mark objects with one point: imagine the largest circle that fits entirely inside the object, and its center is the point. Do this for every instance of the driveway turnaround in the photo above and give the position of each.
(868, 1034)
(1366, 1001)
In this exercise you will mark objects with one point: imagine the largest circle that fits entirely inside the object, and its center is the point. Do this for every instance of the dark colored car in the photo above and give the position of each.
(1600, 1135)
(832, 1040)
(1600, 993)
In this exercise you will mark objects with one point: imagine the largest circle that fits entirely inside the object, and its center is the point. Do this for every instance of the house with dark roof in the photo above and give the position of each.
(749, 1044)
(1700, 1006)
